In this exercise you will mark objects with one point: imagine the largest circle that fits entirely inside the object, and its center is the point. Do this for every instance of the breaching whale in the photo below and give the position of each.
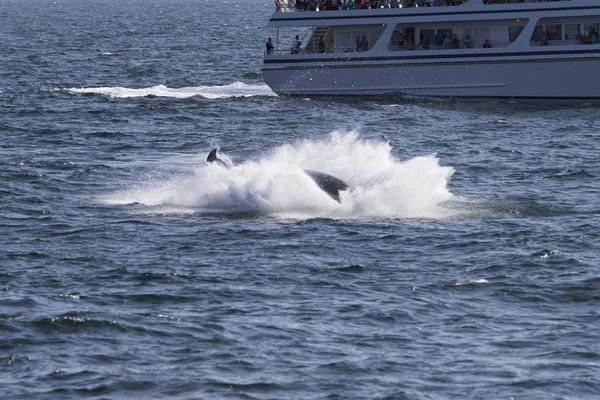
(328, 183)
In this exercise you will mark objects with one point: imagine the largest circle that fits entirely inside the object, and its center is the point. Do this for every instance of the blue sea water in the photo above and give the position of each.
(463, 263)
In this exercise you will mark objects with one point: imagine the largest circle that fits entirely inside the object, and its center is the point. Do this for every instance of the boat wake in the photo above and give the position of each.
(237, 89)
(276, 184)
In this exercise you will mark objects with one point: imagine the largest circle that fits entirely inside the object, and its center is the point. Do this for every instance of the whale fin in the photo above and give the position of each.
(212, 157)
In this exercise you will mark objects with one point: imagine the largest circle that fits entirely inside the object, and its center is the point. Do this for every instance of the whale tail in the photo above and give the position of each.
(212, 157)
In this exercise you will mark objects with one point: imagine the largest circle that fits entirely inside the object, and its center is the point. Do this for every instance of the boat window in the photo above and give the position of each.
(589, 28)
(347, 39)
(403, 38)
(514, 32)
(537, 33)
(554, 32)
(445, 31)
(497, 33)
(565, 31)
(426, 34)
(572, 31)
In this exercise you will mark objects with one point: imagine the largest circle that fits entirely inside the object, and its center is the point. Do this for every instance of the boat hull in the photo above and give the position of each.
(541, 78)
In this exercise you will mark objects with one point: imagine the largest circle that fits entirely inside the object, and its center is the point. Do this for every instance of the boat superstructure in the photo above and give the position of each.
(497, 49)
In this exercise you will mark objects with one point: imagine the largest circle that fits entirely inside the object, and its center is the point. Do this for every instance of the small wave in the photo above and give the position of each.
(72, 322)
(471, 282)
(573, 174)
(546, 254)
(237, 89)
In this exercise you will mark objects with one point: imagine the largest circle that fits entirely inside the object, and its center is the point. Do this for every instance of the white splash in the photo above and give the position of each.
(237, 89)
(276, 184)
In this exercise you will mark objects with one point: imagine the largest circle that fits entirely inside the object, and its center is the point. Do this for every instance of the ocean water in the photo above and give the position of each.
(463, 263)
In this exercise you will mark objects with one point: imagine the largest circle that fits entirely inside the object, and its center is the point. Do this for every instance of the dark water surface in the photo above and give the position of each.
(464, 263)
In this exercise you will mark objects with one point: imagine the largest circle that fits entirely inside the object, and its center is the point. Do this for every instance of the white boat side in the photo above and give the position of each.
(513, 68)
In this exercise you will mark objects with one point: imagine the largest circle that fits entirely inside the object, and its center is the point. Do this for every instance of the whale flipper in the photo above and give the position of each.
(212, 157)
(328, 183)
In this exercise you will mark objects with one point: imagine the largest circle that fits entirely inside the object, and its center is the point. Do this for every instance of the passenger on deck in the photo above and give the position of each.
(467, 41)
(448, 41)
(425, 43)
(438, 40)
(269, 46)
(401, 41)
(411, 43)
(278, 5)
(455, 42)
(585, 38)
(593, 35)
(487, 44)
(364, 44)
(321, 45)
(544, 39)
(292, 5)
(296, 45)
(312, 5)
(357, 44)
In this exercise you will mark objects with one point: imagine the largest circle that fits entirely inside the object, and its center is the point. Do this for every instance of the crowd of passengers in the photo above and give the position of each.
(314, 5)
(439, 42)
(362, 44)
(517, 1)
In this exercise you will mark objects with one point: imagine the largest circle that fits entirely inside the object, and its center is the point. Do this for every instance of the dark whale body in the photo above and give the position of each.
(212, 157)
(328, 183)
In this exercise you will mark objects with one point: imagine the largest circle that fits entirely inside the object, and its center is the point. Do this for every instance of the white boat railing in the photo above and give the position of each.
(425, 48)
(347, 49)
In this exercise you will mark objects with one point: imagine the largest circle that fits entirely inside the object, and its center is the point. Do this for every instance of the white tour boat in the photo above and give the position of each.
(478, 49)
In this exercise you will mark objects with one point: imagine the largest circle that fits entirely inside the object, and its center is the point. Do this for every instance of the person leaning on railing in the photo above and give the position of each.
(593, 35)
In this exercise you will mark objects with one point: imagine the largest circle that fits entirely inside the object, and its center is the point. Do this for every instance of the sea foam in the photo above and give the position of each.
(237, 89)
